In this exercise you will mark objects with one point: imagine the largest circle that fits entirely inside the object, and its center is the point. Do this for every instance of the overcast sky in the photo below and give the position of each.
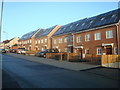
(22, 17)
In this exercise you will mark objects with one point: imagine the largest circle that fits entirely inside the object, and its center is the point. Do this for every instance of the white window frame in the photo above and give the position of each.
(30, 41)
(66, 39)
(79, 39)
(60, 40)
(109, 34)
(45, 40)
(87, 37)
(55, 41)
(42, 41)
(86, 51)
(38, 41)
(98, 36)
(98, 53)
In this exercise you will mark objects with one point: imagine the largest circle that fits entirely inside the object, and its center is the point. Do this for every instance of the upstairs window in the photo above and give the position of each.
(66, 39)
(45, 40)
(79, 39)
(109, 34)
(55, 41)
(87, 37)
(38, 41)
(30, 41)
(42, 41)
(97, 36)
(60, 40)
(71, 38)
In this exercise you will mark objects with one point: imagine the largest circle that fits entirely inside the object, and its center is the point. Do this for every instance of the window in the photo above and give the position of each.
(45, 40)
(109, 34)
(115, 50)
(87, 37)
(30, 41)
(66, 39)
(97, 36)
(60, 50)
(79, 39)
(66, 49)
(60, 40)
(55, 41)
(71, 38)
(87, 51)
(42, 41)
(99, 51)
(38, 41)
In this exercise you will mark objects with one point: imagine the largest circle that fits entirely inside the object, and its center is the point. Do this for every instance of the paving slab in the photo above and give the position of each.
(77, 66)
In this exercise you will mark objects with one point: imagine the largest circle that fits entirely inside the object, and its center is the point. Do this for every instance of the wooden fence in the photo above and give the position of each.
(111, 61)
(32, 52)
(57, 56)
(73, 57)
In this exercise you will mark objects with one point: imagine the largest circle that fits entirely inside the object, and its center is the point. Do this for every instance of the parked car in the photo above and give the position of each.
(23, 51)
(43, 53)
(13, 51)
(2, 51)
(18, 50)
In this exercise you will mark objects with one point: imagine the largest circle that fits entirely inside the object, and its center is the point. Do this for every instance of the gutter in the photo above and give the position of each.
(118, 43)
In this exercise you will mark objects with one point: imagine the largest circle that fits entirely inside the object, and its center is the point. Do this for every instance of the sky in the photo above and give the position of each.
(20, 18)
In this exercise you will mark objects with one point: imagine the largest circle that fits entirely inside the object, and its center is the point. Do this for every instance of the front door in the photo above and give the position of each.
(108, 50)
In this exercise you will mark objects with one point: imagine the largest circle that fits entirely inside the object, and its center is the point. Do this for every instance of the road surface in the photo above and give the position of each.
(35, 75)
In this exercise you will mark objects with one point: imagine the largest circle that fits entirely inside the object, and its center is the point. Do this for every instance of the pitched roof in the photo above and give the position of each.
(48, 30)
(89, 23)
(28, 35)
(38, 35)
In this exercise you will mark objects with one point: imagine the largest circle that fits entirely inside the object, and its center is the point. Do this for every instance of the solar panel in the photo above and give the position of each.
(38, 35)
(48, 30)
(92, 22)
(28, 35)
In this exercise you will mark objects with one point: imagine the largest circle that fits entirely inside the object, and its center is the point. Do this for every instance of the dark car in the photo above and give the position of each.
(43, 53)
(13, 51)
(2, 51)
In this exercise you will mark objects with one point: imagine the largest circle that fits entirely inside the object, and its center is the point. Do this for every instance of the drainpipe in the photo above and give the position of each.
(118, 43)
(73, 41)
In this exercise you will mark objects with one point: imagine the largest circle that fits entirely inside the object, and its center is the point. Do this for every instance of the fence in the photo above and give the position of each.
(73, 57)
(57, 56)
(32, 52)
(111, 61)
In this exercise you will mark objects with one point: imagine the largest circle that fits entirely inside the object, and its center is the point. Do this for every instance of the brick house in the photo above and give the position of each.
(97, 35)
(27, 40)
(43, 39)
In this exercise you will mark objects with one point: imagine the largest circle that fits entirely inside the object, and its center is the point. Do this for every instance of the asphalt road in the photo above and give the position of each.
(35, 75)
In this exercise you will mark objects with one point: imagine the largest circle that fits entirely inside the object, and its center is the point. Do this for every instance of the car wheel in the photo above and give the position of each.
(44, 56)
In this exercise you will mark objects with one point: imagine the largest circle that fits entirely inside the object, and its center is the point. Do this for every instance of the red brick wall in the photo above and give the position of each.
(62, 45)
(119, 36)
(92, 44)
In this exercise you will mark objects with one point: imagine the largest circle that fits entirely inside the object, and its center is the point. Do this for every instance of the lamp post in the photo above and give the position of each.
(1, 19)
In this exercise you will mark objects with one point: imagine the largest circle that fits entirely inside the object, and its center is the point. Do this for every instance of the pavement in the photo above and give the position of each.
(76, 66)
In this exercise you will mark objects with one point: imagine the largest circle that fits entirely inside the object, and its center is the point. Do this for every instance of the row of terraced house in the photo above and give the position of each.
(98, 35)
